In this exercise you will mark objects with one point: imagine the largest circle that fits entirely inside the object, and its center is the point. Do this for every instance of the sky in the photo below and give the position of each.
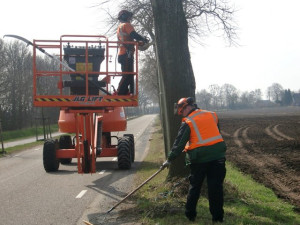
(268, 50)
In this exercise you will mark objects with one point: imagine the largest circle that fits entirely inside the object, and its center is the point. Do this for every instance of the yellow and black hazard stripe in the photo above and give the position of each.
(120, 100)
(52, 99)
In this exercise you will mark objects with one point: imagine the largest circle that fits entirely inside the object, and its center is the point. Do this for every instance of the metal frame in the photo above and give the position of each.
(63, 100)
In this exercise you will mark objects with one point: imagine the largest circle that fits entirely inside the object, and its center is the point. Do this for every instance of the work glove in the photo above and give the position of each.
(165, 164)
(146, 40)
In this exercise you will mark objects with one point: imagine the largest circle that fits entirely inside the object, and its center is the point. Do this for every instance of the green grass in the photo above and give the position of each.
(246, 202)
(24, 133)
(24, 146)
(21, 147)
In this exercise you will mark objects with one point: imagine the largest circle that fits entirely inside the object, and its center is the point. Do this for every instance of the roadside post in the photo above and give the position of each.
(1, 139)
(46, 127)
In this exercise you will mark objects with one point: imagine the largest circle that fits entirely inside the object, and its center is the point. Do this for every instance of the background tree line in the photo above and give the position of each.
(226, 96)
(229, 97)
(16, 86)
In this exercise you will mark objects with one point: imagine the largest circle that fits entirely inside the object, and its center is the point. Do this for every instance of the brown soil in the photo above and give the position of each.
(266, 144)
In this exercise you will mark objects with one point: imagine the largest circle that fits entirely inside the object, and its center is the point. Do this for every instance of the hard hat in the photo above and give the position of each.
(182, 103)
(124, 15)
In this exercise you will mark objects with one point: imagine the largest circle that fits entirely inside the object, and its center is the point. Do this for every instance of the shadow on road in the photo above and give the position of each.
(113, 189)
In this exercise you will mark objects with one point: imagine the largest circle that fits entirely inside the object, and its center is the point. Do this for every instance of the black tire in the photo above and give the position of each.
(124, 159)
(65, 142)
(132, 146)
(51, 163)
(99, 139)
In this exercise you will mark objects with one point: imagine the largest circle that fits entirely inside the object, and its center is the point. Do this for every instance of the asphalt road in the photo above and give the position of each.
(29, 195)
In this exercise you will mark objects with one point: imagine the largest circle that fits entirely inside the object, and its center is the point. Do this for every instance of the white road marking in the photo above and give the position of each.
(114, 159)
(81, 194)
(36, 149)
(102, 172)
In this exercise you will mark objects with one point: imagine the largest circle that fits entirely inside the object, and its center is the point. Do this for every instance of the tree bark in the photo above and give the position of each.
(176, 77)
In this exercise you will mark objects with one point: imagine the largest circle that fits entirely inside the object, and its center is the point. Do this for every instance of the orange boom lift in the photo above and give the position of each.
(88, 107)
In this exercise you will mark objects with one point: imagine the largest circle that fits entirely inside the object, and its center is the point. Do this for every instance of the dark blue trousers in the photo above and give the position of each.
(214, 172)
(127, 80)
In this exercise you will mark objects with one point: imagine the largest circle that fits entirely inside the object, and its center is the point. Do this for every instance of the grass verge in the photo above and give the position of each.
(28, 132)
(22, 147)
(246, 202)
(18, 148)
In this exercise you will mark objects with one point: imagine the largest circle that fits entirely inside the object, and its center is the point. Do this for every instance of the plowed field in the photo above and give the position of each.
(266, 144)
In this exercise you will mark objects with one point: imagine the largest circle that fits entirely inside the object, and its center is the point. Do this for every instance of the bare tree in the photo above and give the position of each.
(231, 95)
(247, 99)
(16, 85)
(257, 94)
(3, 72)
(3, 80)
(211, 17)
(19, 70)
(148, 76)
(203, 18)
(216, 94)
(203, 99)
(144, 99)
(274, 92)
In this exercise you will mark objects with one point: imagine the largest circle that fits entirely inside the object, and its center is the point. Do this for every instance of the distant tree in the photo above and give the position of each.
(274, 92)
(245, 100)
(3, 72)
(216, 96)
(257, 94)
(144, 99)
(287, 98)
(3, 80)
(148, 76)
(231, 95)
(248, 99)
(17, 98)
(203, 99)
(16, 85)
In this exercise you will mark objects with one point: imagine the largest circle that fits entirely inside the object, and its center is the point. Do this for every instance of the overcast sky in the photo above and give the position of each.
(269, 38)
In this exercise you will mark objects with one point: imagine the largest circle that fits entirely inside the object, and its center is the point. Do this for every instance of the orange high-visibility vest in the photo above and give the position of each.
(123, 33)
(204, 129)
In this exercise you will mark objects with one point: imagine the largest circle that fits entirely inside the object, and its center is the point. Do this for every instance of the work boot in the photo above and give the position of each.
(191, 219)
(190, 215)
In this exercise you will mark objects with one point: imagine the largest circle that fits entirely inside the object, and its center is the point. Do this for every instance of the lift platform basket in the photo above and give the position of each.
(83, 76)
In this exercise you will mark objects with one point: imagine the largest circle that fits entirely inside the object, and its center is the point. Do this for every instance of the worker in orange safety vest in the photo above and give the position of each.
(126, 33)
(200, 138)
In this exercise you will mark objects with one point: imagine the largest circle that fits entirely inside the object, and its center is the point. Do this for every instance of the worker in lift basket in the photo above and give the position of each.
(126, 32)
(200, 138)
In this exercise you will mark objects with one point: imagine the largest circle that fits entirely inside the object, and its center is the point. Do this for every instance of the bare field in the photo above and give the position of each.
(265, 143)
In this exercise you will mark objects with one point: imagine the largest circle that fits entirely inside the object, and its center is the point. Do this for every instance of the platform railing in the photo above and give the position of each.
(81, 84)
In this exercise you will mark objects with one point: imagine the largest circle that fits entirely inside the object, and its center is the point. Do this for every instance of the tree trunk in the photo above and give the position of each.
(176, 77)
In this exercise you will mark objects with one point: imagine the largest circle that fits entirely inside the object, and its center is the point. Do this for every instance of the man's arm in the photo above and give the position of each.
(136, 36)
(182, 138)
